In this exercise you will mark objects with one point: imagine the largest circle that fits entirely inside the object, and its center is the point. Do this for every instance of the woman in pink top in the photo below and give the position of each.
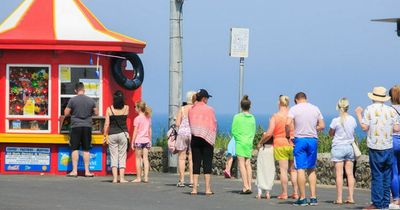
(141, 140)
(203, 126)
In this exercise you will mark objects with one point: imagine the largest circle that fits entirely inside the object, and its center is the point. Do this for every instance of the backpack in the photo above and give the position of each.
(171, 136)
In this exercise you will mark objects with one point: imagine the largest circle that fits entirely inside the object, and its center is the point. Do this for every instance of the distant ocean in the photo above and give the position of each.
(224, 121)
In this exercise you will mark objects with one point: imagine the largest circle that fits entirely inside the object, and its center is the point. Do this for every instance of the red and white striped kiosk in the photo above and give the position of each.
(46, 46)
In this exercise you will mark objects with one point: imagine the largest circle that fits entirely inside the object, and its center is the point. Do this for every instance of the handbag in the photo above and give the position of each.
(171, 137)
(357, 152)
(123, 131)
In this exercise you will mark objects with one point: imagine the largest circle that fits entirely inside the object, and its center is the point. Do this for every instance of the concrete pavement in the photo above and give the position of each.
(98, 193)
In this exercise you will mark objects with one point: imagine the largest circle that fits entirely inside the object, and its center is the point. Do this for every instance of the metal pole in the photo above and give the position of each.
(175, 70)
(241, 83)
(241, 80)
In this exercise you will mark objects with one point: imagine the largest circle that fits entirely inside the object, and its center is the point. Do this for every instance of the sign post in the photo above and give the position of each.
(239, 47)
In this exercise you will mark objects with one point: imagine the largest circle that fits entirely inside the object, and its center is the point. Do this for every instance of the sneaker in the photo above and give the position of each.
(313, 202)
(394, 206)
(301, 202)
(180, 184)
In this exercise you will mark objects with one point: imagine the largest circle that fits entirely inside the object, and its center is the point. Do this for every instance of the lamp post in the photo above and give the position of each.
(175, 70)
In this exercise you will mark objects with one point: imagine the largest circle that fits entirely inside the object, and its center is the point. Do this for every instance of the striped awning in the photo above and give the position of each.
(61, 25)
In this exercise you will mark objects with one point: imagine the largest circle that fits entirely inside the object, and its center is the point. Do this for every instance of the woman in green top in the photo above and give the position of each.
(243, 130)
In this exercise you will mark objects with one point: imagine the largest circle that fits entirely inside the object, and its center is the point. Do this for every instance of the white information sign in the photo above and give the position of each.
(239, 42)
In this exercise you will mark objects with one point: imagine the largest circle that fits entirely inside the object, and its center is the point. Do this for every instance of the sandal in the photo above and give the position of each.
(193, 193)
(180, 184)
(245, 192)
(209, 193)
(294, 196)
(267, 196)
(72, 175)
(227, 174)
(349, 202)
(282, 197)
(337, 202)
(258, 197)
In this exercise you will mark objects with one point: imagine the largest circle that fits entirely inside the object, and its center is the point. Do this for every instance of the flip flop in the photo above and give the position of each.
(72, 175)
(337, 203)
(282, 197)
(209, 193)
(89, 175)
(349, 202)
(193, 193)
(247, 192)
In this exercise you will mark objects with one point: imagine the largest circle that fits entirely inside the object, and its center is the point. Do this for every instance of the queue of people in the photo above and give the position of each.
(291, 139)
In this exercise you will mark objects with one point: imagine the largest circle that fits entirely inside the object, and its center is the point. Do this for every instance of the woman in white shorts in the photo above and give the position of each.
(342, 153)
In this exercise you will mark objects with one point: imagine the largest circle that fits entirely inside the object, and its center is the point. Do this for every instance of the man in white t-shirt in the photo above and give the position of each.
(307, 120)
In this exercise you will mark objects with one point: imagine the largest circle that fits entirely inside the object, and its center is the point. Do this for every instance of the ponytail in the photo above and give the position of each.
(343, 107)
(141, 105)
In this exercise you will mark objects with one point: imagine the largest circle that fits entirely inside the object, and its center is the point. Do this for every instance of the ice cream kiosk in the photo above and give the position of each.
(46, 47)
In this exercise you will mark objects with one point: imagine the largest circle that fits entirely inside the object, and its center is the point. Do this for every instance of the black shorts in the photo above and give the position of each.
(202, 155)
(81, 136)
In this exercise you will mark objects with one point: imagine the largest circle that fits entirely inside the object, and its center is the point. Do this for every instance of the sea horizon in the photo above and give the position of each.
(224, 122)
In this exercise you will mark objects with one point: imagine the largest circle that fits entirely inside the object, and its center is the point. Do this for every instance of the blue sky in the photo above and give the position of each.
(328, 49)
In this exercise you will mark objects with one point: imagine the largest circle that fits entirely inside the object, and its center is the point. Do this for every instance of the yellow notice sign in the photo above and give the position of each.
(29, 107)
(65, 74)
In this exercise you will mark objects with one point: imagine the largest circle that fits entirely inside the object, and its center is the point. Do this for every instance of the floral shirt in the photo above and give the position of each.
(380, 118)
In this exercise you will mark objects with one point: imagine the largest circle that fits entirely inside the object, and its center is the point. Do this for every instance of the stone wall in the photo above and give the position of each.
(325, 168)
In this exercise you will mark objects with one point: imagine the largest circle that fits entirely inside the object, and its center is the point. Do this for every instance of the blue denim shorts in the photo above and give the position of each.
(342, 152)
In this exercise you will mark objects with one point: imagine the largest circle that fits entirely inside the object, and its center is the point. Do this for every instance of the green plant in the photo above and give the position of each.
(221, 141)
(162, 140)
(257, 137)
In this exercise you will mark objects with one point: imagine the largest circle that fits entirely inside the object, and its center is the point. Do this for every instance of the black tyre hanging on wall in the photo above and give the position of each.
(138, 72)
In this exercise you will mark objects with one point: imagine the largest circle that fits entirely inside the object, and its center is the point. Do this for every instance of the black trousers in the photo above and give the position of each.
(202, 155)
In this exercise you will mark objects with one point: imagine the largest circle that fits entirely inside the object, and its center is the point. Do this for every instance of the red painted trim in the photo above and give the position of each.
(2, 94)
(54, 99)
(71, 45)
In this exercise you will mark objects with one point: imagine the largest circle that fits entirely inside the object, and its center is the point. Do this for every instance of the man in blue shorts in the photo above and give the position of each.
(307, 120)
(81, 108)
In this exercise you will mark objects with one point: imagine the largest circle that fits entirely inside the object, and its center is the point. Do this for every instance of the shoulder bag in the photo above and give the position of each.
(119, 126)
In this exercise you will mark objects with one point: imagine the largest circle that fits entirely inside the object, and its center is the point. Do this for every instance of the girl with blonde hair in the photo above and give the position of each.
(342, 153)
(141, 140)
(282, 148)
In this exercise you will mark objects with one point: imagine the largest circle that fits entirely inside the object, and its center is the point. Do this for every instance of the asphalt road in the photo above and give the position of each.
(98, 193)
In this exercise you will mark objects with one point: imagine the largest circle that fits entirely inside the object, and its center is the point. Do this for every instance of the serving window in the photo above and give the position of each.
(91, 77)
(28, 98)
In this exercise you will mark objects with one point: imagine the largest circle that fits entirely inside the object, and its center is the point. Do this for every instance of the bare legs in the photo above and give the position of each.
(246, 172)
(339, 180)
(182, 165)
(284, 167)
(293, 179)
(121, 174)
(301, 181)
(75, 158)
(142, 156)
(228, 165)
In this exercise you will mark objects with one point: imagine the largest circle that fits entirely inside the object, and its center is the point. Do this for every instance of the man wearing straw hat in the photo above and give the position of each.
(379, 121)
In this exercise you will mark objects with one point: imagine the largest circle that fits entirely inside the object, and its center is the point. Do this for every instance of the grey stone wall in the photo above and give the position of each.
(325, 168)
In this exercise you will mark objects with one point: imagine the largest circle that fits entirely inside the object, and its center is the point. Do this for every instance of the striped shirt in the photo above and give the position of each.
(202, 122)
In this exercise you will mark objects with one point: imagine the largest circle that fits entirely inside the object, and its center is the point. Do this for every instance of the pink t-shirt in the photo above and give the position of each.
(305, 116)
(142, 125)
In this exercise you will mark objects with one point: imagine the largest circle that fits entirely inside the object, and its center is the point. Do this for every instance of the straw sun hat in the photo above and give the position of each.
(378, 94)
